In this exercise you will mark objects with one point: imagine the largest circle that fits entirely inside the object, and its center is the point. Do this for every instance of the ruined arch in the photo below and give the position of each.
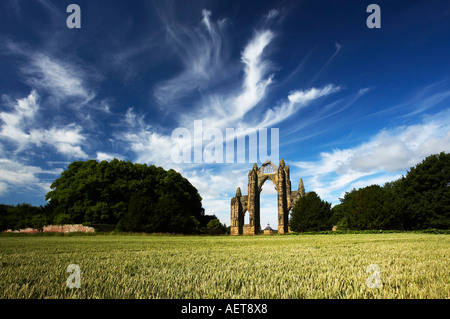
(279, 175)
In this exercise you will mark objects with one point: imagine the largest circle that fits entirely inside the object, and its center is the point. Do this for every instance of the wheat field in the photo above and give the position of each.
(398, 265)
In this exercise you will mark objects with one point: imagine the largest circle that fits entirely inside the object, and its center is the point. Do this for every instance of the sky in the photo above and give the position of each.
(353, 106)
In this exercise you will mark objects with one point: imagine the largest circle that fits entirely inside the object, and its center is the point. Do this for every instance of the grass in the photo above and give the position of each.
(309, 266)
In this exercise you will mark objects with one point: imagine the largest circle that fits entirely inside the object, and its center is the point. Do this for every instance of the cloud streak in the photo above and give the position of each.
(296, 101)
(201, 51)
(389, 153)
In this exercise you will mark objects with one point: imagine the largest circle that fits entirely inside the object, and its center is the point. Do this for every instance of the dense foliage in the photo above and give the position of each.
(310, 213)
(138, 197)
(23, 215)
(425, 194)
(419, 200)
(135, 197)
(142, 198)
(371, 207)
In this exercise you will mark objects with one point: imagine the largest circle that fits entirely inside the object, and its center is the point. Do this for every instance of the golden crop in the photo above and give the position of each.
(150, 266)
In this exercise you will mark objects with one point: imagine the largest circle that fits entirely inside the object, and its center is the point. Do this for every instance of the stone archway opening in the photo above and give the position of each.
(268, 205)
(286, 198)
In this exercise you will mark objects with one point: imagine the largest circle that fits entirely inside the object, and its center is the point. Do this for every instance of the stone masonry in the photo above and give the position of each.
(240, 205)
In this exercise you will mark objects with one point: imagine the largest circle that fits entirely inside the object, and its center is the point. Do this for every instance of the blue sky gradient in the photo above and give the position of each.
(354, 106)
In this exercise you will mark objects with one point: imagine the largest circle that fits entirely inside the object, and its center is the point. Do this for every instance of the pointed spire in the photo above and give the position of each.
(301, 188)
(255, 167)
(282, 162)
(238, 192)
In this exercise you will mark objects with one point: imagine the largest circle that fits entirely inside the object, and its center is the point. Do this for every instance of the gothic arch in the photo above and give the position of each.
(279, 175)
(264, 179)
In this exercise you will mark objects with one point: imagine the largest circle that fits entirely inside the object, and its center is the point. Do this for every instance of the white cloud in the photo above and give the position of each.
(305, 97)
(62, 79)
(3, 188)
(385, 157)
(338, 48)
(14, 174)
(201, 51)
(48, 74)
(101, 156)
(271, 16)
(149, 147)
(23, 112)
(20, 127)
(228, 107)
(217, 186)
(296, 100)
(65, 140)
(256, 69)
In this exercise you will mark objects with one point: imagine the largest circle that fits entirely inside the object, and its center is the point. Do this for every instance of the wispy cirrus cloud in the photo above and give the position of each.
(296, 100)
(204, 60)
(62, 79)
(46, 73)
(383, 158)
(228, 108)
(338, 48)
(202, 54)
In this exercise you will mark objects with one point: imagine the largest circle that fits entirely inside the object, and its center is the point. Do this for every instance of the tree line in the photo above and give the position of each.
(146, 198)
(419, 200)
(134, 197)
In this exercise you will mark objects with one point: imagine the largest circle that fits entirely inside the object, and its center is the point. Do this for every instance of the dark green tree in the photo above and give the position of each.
(140, 197)
(425, 193)
(4, 217)
(371, 207)
(310, 213)
(215, 227)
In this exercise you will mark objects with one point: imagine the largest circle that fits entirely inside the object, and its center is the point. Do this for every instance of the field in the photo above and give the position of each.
(408, 265)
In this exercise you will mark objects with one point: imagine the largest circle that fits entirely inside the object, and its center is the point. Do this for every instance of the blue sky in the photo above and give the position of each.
(354, 106)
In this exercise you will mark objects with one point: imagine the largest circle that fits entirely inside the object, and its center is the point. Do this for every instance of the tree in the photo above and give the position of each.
(338, 217)
(425, 193)
(371, 207)
(310, 213)
(419, 200)
(215, 227)
(4, 217)
(140, 197)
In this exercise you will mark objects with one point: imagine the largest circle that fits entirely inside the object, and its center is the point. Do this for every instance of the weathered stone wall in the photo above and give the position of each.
(286, 198)
(76, 228)
(248, 230)
(26, 230)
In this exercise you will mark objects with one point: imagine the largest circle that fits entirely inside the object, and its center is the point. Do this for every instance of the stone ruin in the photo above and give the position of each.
(242, 204)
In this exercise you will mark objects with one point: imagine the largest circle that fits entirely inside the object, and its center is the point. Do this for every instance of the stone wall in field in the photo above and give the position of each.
(26, 230)
(76, 228)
